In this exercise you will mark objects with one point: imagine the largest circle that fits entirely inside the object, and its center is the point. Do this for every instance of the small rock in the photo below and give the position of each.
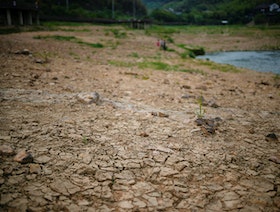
(264, 83)
(23, 157)
(208, 125)
(275, 158)
(34, 169)
(202, 87)
(86, 157)
(252, 131)
(270, 96)
(24, 52)
(166, 81)
(144, 134)
(6, 150)
(271, 137)
(43, 159)
(213, 104)
(160, 114)
(89, 98)
(40, 61)
(185, 87)
(187, 96)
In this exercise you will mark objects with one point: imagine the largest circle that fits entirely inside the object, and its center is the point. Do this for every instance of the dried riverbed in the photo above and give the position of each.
(96, 134)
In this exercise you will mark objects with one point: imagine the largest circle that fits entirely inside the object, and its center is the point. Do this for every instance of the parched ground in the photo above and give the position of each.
(138, 147)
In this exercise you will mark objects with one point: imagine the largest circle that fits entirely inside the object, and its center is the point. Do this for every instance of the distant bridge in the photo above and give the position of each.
(12, 13)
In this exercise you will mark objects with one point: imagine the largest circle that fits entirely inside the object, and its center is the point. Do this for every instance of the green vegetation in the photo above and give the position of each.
(69, 38)
(191, 51)
(155, 65)
(276, 77)
(85, 140)
(134, 54)
(198, 12)
(116, 32)
(163, 30)
(200, 112)
(17, 29)
(88, 9)
(220, 67)
(10, 30)
(205, 12)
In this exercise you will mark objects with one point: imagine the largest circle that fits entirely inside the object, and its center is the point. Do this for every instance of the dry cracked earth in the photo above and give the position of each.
(80, 133)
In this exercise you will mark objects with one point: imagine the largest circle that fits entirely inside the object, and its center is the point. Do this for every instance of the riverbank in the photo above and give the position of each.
(112, 123)
(232, 38)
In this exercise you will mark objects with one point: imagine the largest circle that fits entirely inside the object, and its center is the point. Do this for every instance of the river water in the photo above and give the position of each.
(263, 61)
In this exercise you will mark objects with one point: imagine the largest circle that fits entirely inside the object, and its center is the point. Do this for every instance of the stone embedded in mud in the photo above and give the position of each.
(271, 137)
(34, 168)
(185, 87)
(213, 104)
(24, 52)
(42, 159)
(23, 157)
(159, 114)
(144, 134)
(6, 150)
(275, 158)
(208, 125)
(187, 96)
(89, 98)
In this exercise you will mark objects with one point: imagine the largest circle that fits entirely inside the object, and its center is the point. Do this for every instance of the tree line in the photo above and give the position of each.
(161, 11)
(107, 9)
(211, 11)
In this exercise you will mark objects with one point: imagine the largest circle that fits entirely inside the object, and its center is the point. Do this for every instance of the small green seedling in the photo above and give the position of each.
(85, 140)
(200, 112)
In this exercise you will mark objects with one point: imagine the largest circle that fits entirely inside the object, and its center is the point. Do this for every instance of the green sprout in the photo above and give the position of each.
(200, 112)
(85, 140)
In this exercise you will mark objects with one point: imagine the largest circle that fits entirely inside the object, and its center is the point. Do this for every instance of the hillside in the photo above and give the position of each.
(87, 8)
(209, 11)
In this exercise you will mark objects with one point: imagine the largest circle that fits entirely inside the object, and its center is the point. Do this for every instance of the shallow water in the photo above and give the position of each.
(263, 61)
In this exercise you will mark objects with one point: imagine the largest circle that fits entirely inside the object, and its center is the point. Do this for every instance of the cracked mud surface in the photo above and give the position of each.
(139, 148)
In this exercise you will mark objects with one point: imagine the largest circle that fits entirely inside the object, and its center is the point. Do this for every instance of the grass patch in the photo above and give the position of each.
(276, 77)
(220, 67)
(161, 30)
(17, 29)
(69, 38)
(116, 32)
(155, 65)
(9, 30)
(121, 63)
(192, 51)
(134, 54)
(62, 23)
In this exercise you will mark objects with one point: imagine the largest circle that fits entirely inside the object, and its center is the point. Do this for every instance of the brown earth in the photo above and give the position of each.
(138, 148)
